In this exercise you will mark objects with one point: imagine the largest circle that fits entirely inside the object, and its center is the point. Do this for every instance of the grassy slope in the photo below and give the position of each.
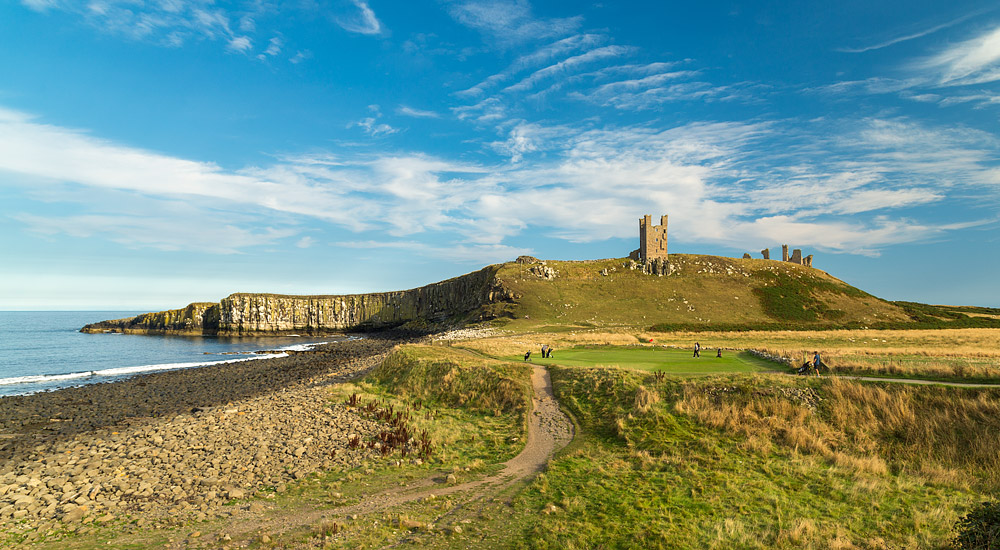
(747, 461)
(734, 461)
(707, 292)
(723, 461)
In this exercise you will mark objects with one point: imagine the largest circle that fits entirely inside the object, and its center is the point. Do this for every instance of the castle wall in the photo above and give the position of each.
(652, 238)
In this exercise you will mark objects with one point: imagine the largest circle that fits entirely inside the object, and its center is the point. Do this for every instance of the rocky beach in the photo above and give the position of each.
(177, 445)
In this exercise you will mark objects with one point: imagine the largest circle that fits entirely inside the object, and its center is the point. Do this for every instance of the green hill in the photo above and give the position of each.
(705, 292)
(700, 293)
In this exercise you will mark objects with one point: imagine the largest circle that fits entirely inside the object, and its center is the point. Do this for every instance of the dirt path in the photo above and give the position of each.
(548, 431)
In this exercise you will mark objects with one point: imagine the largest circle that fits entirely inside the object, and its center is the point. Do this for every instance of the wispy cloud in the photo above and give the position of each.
(833, 186)
(240, 44)
(372, 126)
(201, 235)
(910, 36)
(979, 99)
(566, 65)
(535, 59)
(416, 113)
(274, 46)
(361, 22)
(973, 61)
(510, 22)
(169, 23)
(300, 56)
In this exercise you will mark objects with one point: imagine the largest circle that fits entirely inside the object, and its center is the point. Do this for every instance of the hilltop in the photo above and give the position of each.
(700, 292)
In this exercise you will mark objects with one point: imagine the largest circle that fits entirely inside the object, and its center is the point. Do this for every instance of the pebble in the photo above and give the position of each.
(179, 443)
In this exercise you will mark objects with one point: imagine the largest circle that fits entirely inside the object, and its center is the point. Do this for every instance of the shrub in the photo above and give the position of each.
(980, 528)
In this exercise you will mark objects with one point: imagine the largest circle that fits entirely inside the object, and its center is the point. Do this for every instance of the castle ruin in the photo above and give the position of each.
(652, 238)
(652, 251)
(795, 257)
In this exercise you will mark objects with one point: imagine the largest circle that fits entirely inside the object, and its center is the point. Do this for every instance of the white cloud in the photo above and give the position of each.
(371, 126)
(170, 23)
(416, 113)
(240, 44)
(974, 61)
(979, 99)
(40, 5)
(510, 22)
(490, 109)
(362, 22)
(300, 56)
(534, 59)
(161, 233)
(305, 242)
(274, 46)
(566, 65)
(909, 36)
(830, 186)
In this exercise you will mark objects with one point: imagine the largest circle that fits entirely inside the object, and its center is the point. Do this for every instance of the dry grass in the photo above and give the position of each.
(952, 353)
(972, 342)
(645, 399)
(518, 344)
(943, 435)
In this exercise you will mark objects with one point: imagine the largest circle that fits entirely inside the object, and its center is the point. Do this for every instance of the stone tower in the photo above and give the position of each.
(652, 238)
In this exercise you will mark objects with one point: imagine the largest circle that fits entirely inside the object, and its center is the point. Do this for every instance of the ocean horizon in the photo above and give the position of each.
(45, 350)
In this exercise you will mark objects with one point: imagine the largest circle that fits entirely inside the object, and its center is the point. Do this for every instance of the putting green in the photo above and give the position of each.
(670, 361)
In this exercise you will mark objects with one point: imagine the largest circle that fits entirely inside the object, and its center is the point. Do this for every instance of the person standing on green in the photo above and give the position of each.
(697, 349)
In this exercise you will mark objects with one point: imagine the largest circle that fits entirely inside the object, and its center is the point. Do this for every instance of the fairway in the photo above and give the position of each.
(670, 361)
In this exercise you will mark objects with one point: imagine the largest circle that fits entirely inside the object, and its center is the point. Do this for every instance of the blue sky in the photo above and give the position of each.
(158, 152)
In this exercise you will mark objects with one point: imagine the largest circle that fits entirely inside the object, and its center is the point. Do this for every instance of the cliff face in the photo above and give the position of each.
(272, 313)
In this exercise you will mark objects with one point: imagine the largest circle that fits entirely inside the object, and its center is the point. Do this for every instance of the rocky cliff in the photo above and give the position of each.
(466, 296)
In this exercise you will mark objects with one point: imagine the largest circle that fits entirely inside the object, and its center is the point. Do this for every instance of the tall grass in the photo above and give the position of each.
(929, 431)
(456, 378)
(755, 462)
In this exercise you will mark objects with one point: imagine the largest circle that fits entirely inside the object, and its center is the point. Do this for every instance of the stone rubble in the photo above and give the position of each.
(178, 444)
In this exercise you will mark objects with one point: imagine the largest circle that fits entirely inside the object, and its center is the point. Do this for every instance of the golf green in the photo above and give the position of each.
(670, 361)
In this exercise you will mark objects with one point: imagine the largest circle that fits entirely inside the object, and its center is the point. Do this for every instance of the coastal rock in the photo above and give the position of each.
(143, 454)
(244, 313)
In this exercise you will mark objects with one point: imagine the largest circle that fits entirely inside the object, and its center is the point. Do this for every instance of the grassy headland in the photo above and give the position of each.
(709, 293)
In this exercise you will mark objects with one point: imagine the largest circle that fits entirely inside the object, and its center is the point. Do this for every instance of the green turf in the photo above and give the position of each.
(670, 361)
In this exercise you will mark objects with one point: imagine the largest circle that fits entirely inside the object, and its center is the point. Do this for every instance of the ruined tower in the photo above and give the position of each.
(652, 238)
(784, 252)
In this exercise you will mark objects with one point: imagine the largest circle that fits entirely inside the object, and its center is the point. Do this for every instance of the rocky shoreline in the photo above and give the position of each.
(177, 445)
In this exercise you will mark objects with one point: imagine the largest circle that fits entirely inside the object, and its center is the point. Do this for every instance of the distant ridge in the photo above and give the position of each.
(699, 293)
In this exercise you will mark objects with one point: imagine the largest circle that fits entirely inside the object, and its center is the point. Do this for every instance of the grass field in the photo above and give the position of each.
(970, 355)
(669, 361)
(744, 459)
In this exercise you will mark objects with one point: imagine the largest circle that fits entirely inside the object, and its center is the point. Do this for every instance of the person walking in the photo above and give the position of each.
(697, 349)
(527, 355)
(545, 349)
(817, 362)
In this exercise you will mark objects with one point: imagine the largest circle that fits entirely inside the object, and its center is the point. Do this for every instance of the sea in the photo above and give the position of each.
(45, 350)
